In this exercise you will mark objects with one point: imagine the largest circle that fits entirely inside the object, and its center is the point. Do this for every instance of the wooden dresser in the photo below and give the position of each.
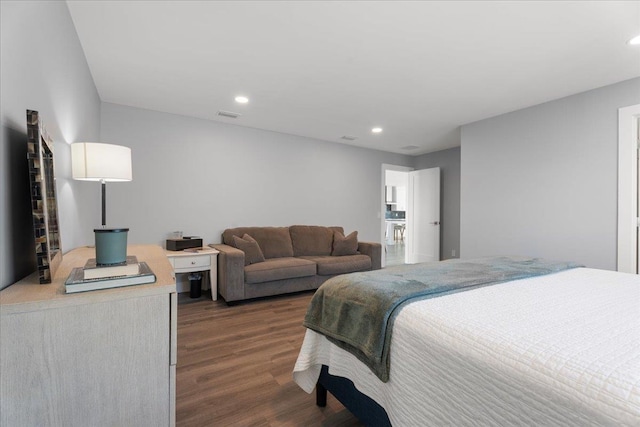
(98, 358)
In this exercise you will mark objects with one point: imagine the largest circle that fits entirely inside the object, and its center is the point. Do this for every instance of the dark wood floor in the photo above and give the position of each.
(235, 365)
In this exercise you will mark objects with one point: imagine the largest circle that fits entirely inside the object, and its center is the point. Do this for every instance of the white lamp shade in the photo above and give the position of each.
(94, 161)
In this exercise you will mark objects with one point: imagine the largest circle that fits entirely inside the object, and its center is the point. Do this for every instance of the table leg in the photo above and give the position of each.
(213, 278)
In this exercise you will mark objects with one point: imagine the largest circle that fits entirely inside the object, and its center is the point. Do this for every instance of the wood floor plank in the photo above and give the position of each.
(235, 365)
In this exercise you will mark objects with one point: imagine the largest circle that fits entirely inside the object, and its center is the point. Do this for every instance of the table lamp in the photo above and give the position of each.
(93, 161)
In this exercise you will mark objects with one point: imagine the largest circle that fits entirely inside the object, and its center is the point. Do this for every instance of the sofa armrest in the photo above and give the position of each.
(374, 250)
(230, 272)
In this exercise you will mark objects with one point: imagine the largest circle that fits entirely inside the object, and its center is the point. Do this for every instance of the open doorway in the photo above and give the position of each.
(628, 189)
(410, 225)
(396, 183)
(393, 252)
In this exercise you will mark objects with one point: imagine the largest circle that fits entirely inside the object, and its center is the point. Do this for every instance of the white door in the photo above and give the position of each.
(422, 239)
(628, 189)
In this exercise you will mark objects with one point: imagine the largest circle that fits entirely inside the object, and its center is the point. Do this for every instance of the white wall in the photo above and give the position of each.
(202, 176)
(43, 68)
(543, 181)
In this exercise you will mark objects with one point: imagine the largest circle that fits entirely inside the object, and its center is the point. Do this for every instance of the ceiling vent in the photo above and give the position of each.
(349, 137)
(229, 114)
(410, 147)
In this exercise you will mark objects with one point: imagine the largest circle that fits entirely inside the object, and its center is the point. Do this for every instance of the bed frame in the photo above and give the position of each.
(359, 404)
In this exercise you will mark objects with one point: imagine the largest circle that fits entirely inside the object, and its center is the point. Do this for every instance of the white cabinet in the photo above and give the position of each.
(401, 199)
(97, 358)
(396, 197)
(389, 194)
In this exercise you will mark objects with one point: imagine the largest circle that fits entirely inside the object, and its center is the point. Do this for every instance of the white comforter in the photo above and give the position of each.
(561, 349)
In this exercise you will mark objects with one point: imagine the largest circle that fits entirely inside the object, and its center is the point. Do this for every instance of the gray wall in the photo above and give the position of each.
(201, 177)
(42, 67)
(192, 175)
(449, 163)
(543, 181)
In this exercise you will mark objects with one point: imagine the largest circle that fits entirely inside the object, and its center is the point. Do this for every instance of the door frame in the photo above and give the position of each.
(383, 204)
(628, 188)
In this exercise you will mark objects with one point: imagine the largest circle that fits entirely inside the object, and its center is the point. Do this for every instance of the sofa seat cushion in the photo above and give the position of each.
(330, 265)
(278, 269)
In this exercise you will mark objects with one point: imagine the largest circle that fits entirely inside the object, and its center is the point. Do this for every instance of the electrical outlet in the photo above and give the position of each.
(453, 253)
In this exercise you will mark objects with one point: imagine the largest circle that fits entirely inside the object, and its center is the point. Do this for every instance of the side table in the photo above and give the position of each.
(205, 260)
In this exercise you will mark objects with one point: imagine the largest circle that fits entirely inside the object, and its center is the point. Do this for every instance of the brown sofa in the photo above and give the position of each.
(295, 258)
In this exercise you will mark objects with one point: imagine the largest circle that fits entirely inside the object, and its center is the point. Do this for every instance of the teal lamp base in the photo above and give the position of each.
(111, 245)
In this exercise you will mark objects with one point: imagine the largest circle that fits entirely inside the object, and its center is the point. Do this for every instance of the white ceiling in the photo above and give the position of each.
(334, 68)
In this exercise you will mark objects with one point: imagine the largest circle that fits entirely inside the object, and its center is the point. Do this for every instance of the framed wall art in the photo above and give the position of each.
(44, 205)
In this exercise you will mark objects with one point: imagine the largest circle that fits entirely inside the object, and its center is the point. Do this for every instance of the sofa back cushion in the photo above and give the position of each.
(312, 239)
(275, 242)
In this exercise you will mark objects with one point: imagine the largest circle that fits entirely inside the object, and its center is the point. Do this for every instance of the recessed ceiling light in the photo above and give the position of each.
(376, 130)
(635, 40)
(242, 99)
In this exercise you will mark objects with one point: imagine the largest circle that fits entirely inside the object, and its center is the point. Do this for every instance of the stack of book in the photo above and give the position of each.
(92, 277)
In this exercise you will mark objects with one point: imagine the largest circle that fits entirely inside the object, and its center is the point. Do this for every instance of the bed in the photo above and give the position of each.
(561, 348)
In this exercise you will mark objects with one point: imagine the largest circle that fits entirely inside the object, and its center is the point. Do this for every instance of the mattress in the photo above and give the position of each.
(560, 349)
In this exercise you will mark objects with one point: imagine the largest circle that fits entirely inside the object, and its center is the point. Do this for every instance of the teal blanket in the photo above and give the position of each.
(356, 311)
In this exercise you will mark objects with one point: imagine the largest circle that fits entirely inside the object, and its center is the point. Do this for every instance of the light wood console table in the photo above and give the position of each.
(105, 357)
